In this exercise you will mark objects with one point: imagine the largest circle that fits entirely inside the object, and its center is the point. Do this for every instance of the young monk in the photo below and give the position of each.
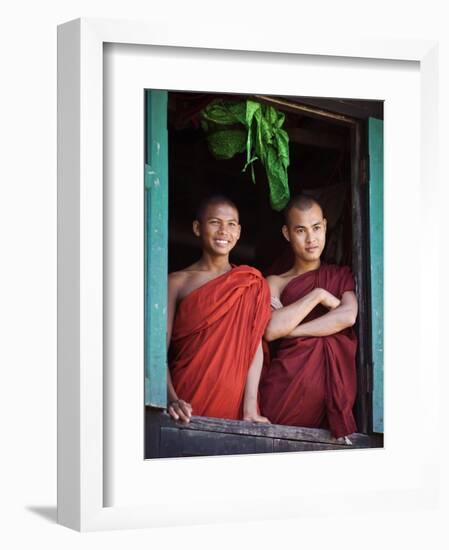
(311, 380)
(217, 314)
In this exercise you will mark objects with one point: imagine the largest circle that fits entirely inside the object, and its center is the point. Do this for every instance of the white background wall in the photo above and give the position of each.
(28, 272)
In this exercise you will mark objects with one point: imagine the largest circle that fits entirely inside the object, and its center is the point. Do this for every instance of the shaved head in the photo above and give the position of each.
(212, 201)
(302, 202)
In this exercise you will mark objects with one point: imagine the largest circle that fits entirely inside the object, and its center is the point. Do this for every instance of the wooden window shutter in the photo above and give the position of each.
(156, 237)
(375, 142)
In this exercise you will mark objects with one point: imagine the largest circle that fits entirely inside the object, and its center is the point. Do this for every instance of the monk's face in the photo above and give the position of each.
(306, 232)
(219, 229)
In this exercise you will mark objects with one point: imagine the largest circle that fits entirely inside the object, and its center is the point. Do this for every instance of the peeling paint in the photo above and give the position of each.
(157, 182)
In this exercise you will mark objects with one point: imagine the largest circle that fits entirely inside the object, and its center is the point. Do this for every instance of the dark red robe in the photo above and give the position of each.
(311, 381)
(216, 332)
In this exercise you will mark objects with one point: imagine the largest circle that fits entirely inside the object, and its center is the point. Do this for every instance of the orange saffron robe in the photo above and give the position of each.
(311, 381)
(216, 332)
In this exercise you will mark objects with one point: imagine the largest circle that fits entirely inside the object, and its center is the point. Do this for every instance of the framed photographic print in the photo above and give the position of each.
(136, 157)
(196, 151)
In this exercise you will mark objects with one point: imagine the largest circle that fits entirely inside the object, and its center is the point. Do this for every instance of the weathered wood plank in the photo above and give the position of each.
(354, 108)
(212, 426)
(176, 442)
(152, 434)
(269, 430)
(287, 445)
(296, 105)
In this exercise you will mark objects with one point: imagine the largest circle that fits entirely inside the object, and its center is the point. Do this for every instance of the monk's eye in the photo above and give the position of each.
(317, 227)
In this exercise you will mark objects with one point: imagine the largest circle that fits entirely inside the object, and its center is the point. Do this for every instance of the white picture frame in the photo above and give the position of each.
(93, 476)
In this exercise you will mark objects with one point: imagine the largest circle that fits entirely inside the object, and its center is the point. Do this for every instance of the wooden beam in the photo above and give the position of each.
(273, 431)
(295, 107)
(359, 269)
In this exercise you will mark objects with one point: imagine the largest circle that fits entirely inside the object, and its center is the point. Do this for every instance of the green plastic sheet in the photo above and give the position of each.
(256, 128)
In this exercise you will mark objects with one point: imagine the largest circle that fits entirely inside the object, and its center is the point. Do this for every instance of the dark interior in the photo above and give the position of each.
(320, 165)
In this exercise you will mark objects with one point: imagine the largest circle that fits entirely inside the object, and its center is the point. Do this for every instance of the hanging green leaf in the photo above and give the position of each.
(224, 144)
(262, 136)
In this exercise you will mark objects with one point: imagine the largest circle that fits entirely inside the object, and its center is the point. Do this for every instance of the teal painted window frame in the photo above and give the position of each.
(376, 224)
(156, 247)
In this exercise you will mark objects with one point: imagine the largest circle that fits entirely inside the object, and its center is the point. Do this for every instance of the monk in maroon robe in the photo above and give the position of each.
(217, 315)
(311, 378)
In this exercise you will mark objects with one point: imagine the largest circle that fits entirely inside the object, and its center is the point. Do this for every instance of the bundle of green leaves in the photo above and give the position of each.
(232, 128)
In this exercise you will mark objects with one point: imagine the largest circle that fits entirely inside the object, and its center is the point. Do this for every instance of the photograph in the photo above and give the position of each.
(250, 300)
(225, 247)
(263, 255)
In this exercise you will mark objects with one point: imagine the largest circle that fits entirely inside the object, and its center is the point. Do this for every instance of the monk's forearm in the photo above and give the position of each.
(171, 393)
(285, 319)
(252, 383)
(332, 322)
(177, 408)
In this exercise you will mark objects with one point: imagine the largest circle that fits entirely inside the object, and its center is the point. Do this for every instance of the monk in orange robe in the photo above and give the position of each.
(217, 315)
(311, 378)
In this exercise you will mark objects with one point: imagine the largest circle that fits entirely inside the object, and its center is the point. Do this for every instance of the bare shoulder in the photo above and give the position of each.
(273, 279)
(279, 282)
(176, 277)
(182, 282)
(275, 283)
(184, 273)
(177, 280)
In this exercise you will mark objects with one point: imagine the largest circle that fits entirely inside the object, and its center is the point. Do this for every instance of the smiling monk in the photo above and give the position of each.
(217, 314)
(311, 379)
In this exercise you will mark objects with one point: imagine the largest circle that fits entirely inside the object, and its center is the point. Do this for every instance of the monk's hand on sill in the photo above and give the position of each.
(256, 418)
(179, 409)
(328, 300)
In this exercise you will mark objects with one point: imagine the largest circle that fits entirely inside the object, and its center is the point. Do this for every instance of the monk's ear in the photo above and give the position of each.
(285, 233)
(239, 232)
(196, 228)
(324, 224)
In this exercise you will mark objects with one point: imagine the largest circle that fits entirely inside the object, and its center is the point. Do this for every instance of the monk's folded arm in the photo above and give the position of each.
(334, 321)
(285, 319)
